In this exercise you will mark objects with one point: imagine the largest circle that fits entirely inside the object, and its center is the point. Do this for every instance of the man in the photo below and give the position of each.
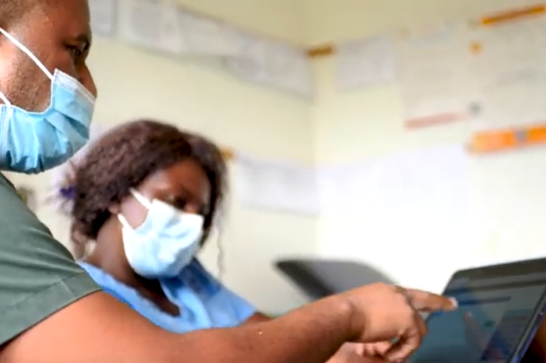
(53, 312)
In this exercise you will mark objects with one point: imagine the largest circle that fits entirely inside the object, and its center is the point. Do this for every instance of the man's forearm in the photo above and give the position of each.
(311, 334)
(98, 328)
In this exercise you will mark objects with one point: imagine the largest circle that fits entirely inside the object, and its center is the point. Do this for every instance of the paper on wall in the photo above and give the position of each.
(394, 211)
(430, 182)
(273, 185)
(151, 24)
(103, 17)
(366, 62)
(289, 68)
(508, 5)
(206, 36)
(166, 27)
(508, 71)
(272, 63)
(434, 74)
(250, 62)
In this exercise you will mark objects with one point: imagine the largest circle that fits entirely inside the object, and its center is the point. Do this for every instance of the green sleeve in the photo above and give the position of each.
(38, 275)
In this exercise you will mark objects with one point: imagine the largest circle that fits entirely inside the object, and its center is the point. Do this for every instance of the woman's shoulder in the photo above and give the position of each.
(96, 273)
(110, 285)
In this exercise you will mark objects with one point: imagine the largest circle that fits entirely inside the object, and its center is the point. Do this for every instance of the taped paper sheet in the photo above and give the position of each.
(103, 17)
(429, 181)
(283, 186)
(434, 74)
(204, 36)
(151, 24)
(366, 62)
(272, 63)
(509, 74)
(394, 210)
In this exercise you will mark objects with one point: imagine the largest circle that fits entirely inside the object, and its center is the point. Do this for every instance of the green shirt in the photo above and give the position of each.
(38, 275)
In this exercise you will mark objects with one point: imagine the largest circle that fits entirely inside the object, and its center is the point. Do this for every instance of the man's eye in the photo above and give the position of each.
(75, 52)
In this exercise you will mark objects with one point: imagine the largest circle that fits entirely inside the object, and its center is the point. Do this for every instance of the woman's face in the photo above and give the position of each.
(184, 186)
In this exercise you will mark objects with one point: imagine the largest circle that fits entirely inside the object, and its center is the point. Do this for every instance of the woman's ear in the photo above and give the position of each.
(114, 209)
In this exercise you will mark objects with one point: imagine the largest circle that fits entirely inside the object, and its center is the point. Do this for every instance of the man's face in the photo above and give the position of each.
(60, 37)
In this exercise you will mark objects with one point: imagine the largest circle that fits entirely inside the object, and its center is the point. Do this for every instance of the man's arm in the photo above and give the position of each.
(347, 354)
(97, 328)
(257, 318)
(51, 311)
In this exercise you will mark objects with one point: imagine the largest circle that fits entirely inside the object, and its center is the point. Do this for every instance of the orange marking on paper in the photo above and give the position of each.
(433, 120)
(476, 47)
(514, 14)
(500, 140)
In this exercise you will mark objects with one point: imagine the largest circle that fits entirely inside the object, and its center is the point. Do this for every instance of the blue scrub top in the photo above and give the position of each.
(203, 301)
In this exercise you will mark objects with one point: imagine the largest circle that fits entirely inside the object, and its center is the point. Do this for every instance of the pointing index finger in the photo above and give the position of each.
(427, 301)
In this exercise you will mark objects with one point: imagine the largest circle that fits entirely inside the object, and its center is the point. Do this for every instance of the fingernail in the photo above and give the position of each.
(454, 302)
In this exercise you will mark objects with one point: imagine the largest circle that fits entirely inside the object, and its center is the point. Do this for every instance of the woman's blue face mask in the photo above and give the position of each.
(164, 243)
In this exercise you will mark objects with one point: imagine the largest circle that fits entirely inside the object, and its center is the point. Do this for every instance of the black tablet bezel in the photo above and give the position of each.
(524, 267)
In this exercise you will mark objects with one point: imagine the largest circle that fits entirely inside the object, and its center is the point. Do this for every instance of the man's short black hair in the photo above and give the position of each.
(13, 11)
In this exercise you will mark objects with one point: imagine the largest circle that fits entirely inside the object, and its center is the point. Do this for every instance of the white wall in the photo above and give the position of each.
(278, 18)
(134, 84)
(331, 20)
(508, 197)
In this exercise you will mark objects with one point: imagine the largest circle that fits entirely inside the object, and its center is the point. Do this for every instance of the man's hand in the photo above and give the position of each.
(383, 313)
(97, 328)
(355, 353)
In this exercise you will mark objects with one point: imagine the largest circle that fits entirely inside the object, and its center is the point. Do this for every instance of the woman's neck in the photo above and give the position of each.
(115, 266)
(149, 289)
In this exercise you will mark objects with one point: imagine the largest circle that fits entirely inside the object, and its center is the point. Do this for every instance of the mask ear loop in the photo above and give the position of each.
(142, 200)
(5, 99)
(30, 55)
(221, 223)
(124, 222)
(221, 255)
(27, 52)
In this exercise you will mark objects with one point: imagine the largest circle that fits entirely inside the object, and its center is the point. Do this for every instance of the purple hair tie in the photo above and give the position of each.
(68, 192)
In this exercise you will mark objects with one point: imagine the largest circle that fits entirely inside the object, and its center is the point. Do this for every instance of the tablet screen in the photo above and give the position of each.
(492, 319)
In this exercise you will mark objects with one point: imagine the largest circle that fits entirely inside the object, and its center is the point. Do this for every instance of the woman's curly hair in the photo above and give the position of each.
(124, 157)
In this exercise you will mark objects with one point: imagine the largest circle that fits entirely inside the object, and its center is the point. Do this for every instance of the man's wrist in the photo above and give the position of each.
(345, 313)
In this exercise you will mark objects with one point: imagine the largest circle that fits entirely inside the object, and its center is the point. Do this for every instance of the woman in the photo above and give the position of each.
(148, 194)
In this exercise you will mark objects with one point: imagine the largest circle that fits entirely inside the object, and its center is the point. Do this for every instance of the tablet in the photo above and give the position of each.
(500, 309)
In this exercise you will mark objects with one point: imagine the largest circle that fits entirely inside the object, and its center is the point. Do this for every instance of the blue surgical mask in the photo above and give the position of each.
(32, 142)
(164, 243)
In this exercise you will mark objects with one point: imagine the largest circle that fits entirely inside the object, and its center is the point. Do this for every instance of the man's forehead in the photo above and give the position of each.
(71, 13)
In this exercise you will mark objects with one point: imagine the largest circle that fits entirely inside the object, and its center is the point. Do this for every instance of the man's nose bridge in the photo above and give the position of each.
(86, 78)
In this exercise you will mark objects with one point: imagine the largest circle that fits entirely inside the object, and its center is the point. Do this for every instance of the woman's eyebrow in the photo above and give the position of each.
(203, 200)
